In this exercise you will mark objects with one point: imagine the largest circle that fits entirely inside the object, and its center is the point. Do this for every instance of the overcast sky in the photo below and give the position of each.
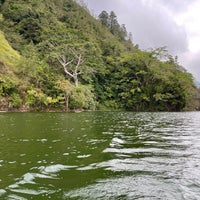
(157, 23)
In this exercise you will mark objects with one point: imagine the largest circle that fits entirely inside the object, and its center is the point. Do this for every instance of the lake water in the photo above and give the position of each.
(100, 155)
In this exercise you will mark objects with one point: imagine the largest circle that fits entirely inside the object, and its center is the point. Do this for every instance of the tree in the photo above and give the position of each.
(130, 38)
(114, 25)
(70, 71)
(123, 32)
(67, 89)
(104, 18)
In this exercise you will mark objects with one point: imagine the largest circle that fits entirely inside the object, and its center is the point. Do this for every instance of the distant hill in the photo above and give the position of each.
(55, 56)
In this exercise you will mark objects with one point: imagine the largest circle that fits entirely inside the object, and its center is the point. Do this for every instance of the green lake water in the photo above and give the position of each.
(100, 155)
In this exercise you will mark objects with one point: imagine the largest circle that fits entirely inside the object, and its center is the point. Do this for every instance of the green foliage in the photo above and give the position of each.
(111, 23)
(104, 18)
(7, 86)
(15, 100)
(82, 97)
(142, 83)
(30, 29)
(115, 74)
(8, 56)
(90, 101)
(36, 99)
(77, 100)
(17, 10)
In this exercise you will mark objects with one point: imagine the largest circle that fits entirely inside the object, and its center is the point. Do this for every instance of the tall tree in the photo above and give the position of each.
(114, 25)
(104, 18)
(123, 35)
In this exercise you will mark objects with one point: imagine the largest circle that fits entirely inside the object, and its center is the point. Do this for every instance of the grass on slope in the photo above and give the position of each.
(8, 56)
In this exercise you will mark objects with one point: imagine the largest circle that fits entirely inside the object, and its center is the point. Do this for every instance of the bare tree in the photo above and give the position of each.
(71, 67)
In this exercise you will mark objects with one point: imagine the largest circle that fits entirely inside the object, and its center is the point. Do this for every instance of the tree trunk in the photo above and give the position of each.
(75, 80)
(66, 103)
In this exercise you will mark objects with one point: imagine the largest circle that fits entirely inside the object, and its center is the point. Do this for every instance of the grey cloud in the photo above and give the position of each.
(150, 25)
(96, 6)
(177, 5)
(192, 62)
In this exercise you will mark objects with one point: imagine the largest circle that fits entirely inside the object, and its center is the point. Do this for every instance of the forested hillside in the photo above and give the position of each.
(55, 56)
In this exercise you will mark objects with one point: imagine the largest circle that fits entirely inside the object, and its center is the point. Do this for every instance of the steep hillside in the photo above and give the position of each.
(58, 57)
(8, 55)
(9, 82)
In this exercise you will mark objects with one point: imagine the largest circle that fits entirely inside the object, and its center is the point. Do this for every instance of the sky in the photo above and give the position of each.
(158, 23)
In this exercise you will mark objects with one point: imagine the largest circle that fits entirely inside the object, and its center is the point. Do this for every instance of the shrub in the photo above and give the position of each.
(15, 101)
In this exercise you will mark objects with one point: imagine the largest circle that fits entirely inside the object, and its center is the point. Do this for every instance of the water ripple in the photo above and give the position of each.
(100, 155)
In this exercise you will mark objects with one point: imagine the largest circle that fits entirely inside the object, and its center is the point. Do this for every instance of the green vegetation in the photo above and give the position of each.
(8, 54)
(55, 56)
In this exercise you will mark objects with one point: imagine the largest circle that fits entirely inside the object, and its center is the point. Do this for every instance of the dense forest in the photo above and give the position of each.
(55, 56)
